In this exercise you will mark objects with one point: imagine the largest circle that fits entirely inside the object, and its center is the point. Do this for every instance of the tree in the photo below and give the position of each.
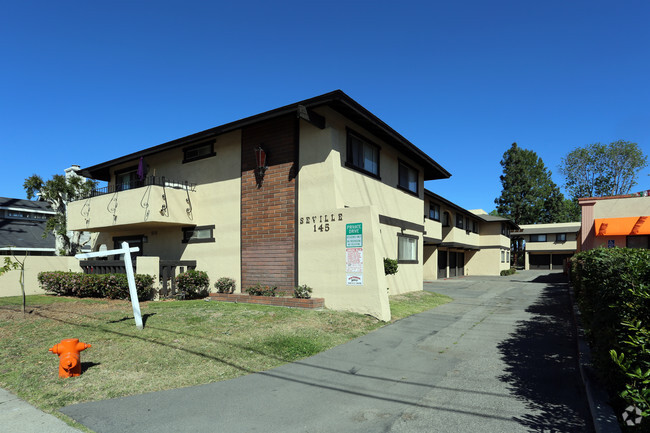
(529, 195)
(599, 170)
(59, 191)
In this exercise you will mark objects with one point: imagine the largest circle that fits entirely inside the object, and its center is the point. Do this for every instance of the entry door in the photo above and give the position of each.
(452, 264)
(461, 264)
(442, 264)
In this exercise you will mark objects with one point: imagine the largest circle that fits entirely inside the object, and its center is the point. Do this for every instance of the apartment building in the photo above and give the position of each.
(549, 246)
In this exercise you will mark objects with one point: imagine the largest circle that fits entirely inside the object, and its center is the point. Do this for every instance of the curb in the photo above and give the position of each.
(602, 414)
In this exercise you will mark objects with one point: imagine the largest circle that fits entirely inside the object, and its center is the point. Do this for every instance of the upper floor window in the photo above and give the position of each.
(474, 226)
(198, 151)
(362, 154)
(537, 238)
(434, 211)
(408, 177)
(505, 230)
(445, 219)
(459, 221)
(126, 179)
(560, 237)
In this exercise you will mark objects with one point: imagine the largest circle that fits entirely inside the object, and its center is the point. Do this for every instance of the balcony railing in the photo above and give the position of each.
(147, 181)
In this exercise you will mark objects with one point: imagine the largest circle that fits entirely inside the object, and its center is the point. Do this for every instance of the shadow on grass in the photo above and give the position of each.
(87, 365)
(542, 364)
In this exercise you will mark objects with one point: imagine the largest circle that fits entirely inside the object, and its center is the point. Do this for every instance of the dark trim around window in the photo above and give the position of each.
(434, 209)
(560, 237)
(408, 167)
(413, 262)
(349, 154)
(210, 153)
(189, 231)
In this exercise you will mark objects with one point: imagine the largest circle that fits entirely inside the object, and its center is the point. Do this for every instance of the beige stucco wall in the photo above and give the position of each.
(215, 201)
(325, 184)
(486, 261)
(10, 281)
(551, 244)
(322, 260)
(430, 263)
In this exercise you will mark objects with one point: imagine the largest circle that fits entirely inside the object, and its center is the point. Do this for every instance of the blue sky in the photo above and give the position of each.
(85, 82)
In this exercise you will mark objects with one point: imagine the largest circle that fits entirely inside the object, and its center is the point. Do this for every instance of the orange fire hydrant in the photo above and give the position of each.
(69, 358)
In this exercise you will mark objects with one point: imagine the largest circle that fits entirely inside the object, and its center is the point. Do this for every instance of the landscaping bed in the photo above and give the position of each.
(309, 304)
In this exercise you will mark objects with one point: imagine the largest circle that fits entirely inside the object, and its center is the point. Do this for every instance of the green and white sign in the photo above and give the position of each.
(354, 235)
(354, 254)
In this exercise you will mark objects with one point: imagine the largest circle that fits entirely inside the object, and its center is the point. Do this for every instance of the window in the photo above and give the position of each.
(192, 235)
(459, 221)
(407, 249)
(503, 256)
(637, 241)
(434, 211)
(362, 154)
(133, 241)
(198, 151)
(445, 219)
(475, 227)
(560, 237)
(408, 178)
(126, 179)
(467, 226)
(537, 238)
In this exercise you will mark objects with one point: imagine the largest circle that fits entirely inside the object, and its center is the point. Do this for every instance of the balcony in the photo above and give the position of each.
(151, 202)
(454, 237)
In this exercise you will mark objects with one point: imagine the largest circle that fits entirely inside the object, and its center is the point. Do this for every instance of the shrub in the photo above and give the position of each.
(507, 272)
(193, 284)
(225, 285)
(113, 286)
(390, 266)
(612, 289)
(302, 292)
(259, 290)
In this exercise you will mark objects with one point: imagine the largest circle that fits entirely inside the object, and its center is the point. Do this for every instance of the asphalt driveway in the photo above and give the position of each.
(500, 358)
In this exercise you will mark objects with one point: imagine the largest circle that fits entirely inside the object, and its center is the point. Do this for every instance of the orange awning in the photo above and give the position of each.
(639, 225)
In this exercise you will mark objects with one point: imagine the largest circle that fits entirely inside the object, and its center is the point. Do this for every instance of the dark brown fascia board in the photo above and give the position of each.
(491, 218)
(336, 99)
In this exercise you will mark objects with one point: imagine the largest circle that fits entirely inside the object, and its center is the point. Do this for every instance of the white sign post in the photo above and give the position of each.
(129, 275)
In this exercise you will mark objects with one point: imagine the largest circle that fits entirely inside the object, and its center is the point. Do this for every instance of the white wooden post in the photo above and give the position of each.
(129, 275)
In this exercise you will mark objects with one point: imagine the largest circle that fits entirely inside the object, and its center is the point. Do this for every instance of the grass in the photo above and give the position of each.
(184, 343)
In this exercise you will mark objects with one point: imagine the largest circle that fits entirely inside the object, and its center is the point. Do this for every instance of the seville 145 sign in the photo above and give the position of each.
(321, 223)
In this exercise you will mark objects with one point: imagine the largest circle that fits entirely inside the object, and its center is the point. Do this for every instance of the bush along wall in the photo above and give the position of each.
(612, 288)
(193, 284)
(113, 286)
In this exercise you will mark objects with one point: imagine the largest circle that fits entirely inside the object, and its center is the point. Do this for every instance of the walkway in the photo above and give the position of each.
(500, 358)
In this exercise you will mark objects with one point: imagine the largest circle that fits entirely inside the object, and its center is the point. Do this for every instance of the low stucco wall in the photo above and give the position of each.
(10, 281)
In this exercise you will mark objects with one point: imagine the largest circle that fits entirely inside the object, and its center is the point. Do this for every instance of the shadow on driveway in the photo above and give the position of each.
(541, 362)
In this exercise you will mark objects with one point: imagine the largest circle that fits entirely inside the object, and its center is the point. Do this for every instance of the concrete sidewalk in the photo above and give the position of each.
(500, 358)
(18, 416)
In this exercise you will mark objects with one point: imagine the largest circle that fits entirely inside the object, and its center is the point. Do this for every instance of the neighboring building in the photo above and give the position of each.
(461, 242)
(549, 246)
(618, 221)
(22, 225)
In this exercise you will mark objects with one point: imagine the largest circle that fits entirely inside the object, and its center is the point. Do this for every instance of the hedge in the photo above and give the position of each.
(612, 288)
(113, 286)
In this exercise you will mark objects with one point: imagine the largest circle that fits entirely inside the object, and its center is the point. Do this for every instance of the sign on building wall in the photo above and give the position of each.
(354, 254)
(611, 243)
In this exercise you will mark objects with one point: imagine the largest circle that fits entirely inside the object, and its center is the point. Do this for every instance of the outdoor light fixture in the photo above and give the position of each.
(260, 159)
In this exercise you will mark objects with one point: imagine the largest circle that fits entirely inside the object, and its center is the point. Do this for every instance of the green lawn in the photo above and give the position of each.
(183, 343)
